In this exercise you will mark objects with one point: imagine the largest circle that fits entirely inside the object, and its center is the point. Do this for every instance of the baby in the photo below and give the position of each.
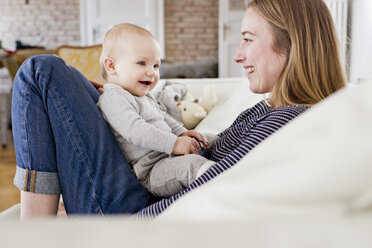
(150, 139)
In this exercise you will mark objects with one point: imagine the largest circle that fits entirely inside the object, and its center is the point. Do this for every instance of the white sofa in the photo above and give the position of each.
(308, 185)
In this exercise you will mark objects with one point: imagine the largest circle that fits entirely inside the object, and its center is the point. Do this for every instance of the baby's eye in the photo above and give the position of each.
(156, 66)
(141, 62)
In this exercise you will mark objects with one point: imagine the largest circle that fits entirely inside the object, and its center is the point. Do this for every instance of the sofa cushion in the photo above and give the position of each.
(319, 165)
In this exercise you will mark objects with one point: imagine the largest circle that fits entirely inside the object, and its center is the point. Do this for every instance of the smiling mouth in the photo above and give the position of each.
(250, 69)
(145, 82)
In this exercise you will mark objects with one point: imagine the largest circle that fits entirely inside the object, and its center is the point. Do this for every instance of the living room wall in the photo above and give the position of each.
(191, 26)
(191, 30)
(47, 23)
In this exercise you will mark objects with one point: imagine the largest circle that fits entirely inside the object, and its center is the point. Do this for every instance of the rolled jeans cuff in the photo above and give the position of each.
(37, 181)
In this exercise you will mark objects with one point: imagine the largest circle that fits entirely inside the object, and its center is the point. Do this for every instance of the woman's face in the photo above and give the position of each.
(256, 53)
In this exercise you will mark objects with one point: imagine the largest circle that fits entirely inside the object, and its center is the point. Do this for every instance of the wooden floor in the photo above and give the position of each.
(9, 194)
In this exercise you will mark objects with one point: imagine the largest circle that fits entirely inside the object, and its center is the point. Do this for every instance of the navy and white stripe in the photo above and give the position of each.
(250, 128)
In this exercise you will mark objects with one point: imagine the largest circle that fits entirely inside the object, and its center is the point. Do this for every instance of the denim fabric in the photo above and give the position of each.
(63, 144)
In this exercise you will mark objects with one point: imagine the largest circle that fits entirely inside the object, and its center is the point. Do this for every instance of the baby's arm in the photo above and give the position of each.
(120, 111)
(196, 135)
(186, 145)
(176, 127)
(186, 142)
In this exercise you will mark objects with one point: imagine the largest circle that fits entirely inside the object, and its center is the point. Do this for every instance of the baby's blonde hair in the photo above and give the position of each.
(115, 34)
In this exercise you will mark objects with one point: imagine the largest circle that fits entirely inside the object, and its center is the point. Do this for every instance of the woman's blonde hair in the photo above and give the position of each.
(304, 32)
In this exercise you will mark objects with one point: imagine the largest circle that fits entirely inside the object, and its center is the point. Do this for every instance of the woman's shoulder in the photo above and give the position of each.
(264, 106)
(262, 111)
(293, 109)
(283, 114)
(256, 110)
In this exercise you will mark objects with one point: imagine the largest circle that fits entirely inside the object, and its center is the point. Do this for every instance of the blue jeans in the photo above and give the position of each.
(63, 144)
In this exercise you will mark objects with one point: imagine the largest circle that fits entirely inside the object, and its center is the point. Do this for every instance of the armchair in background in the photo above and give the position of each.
(85, 59)
(12, 60)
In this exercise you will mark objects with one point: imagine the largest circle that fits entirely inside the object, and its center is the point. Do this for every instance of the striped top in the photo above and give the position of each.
(250, 128)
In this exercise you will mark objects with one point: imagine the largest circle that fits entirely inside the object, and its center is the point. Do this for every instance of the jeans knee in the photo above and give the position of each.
(44, 60)
(39, 67)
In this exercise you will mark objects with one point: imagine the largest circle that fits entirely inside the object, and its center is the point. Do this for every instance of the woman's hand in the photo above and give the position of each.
(196, 135)
(185, 145)
(98, 86)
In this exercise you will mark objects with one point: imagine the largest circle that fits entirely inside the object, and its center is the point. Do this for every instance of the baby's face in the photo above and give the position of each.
(137, 64)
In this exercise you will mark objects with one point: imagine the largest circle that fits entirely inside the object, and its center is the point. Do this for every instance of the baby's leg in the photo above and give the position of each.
(204, 168)
(172, 174)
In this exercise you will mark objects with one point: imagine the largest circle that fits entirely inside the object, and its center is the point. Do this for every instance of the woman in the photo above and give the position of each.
(289, 50)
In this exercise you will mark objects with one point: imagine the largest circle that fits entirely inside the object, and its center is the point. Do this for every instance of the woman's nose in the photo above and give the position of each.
(239, 56)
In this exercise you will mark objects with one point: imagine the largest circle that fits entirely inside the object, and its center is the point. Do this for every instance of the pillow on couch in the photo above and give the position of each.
(319, 165)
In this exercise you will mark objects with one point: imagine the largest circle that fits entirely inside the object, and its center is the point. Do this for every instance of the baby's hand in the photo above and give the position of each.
(196, 135)
(185, 145)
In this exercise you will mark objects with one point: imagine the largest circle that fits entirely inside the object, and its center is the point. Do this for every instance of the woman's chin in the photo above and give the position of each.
(253, 87)
(258, 87)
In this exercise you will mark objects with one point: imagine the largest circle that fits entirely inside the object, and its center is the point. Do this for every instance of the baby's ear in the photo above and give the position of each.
(109, 65)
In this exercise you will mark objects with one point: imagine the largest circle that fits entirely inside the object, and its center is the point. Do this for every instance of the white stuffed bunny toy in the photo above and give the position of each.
(193, 111)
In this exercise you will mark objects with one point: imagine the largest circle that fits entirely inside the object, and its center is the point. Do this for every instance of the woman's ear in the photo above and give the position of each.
(109, 65)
